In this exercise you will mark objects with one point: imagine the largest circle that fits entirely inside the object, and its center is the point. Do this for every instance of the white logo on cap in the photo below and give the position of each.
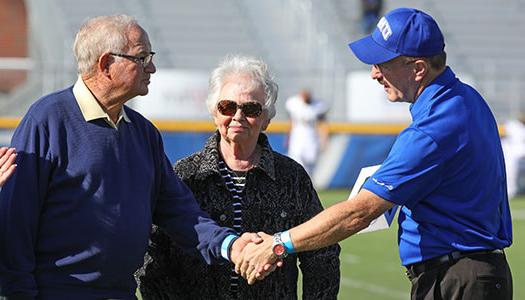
(384, 27)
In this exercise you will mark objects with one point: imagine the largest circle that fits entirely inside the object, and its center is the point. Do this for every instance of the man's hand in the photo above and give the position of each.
(241, 242)
(257, 260)
(7, 163)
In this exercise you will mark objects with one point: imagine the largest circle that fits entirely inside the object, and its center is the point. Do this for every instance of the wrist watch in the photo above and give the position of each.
(278, 247)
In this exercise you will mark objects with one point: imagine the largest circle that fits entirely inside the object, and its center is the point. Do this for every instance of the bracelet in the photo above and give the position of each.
(287, 241)
(226, 246)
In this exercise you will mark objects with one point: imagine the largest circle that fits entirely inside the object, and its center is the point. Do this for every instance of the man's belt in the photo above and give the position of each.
(416, 269)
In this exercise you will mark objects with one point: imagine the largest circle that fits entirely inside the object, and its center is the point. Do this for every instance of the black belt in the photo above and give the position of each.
(416, 269)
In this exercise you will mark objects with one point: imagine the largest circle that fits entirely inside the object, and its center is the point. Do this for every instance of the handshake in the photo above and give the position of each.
(254, 257)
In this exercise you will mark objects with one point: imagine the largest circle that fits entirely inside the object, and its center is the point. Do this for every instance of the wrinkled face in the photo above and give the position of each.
(129, 76)
(397, 78)
(240, 128)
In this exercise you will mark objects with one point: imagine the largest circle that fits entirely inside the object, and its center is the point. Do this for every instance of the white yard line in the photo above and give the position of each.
(374, 288)
(367, 286)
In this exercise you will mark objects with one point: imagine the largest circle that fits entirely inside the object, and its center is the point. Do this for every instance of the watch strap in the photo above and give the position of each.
(287, 241)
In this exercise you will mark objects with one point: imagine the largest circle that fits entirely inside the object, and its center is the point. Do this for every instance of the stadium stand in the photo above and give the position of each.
(304, 41)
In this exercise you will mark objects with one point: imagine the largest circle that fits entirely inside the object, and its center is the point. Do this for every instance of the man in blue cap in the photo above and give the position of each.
(445, 170)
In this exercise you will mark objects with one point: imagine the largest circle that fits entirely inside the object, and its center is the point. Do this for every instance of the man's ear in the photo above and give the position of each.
(103, 63)
(421, 68)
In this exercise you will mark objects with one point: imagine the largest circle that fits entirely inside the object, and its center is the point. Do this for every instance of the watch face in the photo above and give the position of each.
(279, 250)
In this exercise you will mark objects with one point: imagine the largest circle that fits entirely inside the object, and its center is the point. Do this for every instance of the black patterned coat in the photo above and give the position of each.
(278, 195)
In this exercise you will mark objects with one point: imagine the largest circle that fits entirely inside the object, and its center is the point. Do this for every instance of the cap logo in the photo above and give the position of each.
(384, 27)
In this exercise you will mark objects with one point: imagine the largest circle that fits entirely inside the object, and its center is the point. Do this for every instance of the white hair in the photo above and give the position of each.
(243, 65)
(99, 35)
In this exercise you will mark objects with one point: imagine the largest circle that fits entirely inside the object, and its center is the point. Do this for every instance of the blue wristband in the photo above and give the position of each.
(226, 244)
(287, 241)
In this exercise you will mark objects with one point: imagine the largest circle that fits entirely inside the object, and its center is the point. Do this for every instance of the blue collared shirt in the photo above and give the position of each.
(447, 172)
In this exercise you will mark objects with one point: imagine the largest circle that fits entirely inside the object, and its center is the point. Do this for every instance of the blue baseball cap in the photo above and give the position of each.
(402, 31)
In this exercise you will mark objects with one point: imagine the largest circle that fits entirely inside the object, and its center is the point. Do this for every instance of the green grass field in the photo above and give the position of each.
(370, 265)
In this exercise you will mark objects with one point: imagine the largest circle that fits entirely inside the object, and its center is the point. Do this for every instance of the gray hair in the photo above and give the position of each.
(437, 62)
(99, 35)
(244, 65)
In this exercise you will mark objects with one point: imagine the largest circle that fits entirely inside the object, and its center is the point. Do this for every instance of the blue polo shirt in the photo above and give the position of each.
(447, 172)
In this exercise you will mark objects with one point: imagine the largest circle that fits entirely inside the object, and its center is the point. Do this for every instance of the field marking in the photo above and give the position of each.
(374, 288)
(367, 286)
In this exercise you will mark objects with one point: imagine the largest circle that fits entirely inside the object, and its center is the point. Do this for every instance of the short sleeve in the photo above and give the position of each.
(412, 170)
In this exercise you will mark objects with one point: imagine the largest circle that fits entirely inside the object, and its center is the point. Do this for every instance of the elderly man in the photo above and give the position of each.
(92, 177)
(446, 170)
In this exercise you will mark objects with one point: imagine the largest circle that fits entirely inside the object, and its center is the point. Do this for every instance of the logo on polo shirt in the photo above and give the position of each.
(384, 27)
(388, 186)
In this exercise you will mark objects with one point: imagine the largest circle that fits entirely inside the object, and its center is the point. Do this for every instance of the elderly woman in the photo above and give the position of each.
(242, 183)
(7, 163)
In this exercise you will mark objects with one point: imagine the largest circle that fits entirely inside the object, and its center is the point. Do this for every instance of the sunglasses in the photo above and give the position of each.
(250, 109)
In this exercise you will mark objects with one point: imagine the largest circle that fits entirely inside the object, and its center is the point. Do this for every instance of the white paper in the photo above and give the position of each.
(385, 220)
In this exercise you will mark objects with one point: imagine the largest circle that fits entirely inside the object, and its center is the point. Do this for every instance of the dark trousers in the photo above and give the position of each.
(474, 276)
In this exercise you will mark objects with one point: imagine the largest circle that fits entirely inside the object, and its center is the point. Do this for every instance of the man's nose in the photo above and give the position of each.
(151, 68)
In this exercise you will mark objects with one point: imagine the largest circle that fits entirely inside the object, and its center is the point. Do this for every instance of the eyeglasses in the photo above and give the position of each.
(143, 60)
(250, 109)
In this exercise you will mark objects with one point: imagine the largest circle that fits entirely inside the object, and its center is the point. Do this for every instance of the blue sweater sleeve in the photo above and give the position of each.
(179, 214)
(20, 204)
